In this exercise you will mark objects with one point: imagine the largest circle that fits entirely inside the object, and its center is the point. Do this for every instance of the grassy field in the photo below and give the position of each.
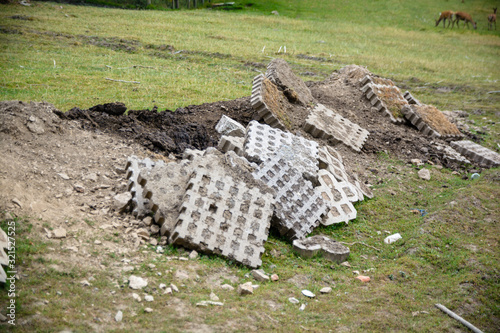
(64, 54)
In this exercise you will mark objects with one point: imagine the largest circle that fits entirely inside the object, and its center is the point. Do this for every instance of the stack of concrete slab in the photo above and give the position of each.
(268, 102)
(385, 96)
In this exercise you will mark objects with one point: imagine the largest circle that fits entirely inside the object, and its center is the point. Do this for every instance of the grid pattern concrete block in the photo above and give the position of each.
(133, 168)
(229, 127)
(477, 153)
(448, 130)
(328, 247)
(164, 187)
(331, 160)
(299, 208)
(336, 196)
(325, 124)
(411, 99)
(263, 141)
(372, 88)
(280, 72)
(258, 104)
(231, 143)
(223, 216)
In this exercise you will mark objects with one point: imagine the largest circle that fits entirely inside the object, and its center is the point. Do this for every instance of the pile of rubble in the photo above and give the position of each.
(225, 200)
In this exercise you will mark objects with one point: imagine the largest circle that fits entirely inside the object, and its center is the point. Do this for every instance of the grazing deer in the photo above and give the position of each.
(492, 18)
(463, 16)
(446, 15)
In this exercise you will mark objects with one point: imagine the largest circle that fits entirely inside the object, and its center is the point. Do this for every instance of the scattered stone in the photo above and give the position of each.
(392, 238)
(308, 293)
(119, 316)
(149, 298)
(162, 286)
(193, 255)
(3, 318)
(346, 264)
(136, 297)
(326, 290)
(424, 174)
(329, 248)
(174, 287)
(79, 188)
(153, 241)
(293, 300)
(148, 310)
(121, 201)
(274, 277)
(59, 233)
(363, 278)
(168, 291)
(97, 242)
(207, 303)
(154, 229)
(245, 289)
(213, 297)
(260, 275)
(180, 275)
(230, 127)
(148, 220)
(63, 176)
(302, 307)
(136, 282)
(85, 283)
(17, 202)
(227, 287)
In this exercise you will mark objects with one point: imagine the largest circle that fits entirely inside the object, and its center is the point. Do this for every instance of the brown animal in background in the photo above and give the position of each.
(463, 16)
(446, 15)
(492, 18)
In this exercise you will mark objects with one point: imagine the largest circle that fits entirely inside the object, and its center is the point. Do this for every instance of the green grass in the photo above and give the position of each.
(448, 256)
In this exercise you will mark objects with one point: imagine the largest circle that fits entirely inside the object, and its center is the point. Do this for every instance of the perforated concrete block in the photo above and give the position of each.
(329, 248)
(331, 160)
(411, 99)
(133, 168)
(231, 143)
(299, 208)
(451, 154)
(4, 259)
(385, 96)
(263, 141)
(229, 127)
(325, 124)
(258, 104)
(164, 187)
(477, 153)
(336, 196)
(280, 73)
(224, 215)
(431, 122)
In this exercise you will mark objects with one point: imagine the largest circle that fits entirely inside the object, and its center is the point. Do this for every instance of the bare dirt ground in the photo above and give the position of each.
(63, 169)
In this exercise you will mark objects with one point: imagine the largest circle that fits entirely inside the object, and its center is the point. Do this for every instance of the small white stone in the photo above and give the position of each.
(136, 282)
(227, 287)
(245, 289)
(119, 316)
(293, 300)
(424, 174)
(136, 297)
(59, 233)
(97, 242)
(308, 293)
(392, 238)
(193, 255)
(326, 290)
(213, 297)
(163, 286)
(168, 291)
(260, 275)
(148, 310)
(149, 298)
(302, 307)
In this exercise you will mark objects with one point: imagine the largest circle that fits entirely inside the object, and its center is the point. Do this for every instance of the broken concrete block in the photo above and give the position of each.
(229, 127)
(260, 275)
(298, 206)
(411, 99)
(385, 97)
(424, 174)
(431, 122)
(477, 153)
(225, 211)
(231, 143)
(451, 154)
(280, 73)
(262, 142)
(325, 290)
(59, 233)
(136, 282)
(163, 186)
(133, 168)
(121, 201)
(4, 259)
(330, 249)
(331, 160)
(336, 196)
(269, 102)
(325, 124)
(245, 289)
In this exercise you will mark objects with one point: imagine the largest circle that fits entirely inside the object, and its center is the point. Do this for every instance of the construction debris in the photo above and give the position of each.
(323, 245)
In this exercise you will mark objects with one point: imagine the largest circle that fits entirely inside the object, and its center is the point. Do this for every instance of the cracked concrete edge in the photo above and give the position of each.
(422, 126)
(477, 153)
(375, 101)
(4, 259)
(133, 168)
(338, 197)
(229, 127)
(318, 129)
(452, 154)
(260, 106)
